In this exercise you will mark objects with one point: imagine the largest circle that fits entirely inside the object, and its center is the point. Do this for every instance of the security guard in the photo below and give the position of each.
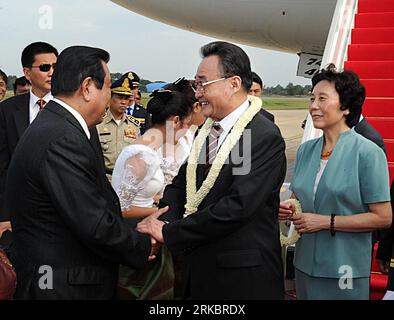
(117, 129)
(136, 110)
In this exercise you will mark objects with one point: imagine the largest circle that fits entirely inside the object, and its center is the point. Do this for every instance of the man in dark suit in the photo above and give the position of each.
(66, 218)
(21, 85)
(18, 112)
(385, 252)
(134, 109)
(365, 129)
(230, 246)
(257, 90)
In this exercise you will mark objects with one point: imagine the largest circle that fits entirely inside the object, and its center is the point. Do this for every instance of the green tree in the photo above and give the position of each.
(115, 76)
(290, 89)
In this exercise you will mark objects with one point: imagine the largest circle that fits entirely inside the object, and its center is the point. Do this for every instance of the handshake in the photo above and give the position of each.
(153, 227)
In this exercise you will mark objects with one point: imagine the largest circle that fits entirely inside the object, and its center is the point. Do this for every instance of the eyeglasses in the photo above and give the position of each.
(45, 67)
(199, 86)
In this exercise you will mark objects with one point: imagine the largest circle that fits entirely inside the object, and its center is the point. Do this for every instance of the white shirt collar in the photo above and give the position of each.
(76, 115)
(33, 106)
(228, 122)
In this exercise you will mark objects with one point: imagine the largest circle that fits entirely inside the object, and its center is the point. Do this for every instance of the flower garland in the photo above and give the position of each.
(194, 197)
(286, 240)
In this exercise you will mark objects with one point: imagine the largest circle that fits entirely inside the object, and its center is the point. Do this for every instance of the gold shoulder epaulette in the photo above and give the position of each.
(134, 120)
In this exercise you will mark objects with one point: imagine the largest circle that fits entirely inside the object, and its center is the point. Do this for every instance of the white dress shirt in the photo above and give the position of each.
(34, 108)
(76, 115)
(228, 122)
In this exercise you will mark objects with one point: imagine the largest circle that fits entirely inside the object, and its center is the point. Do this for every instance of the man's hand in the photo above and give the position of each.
(286, 210)
(4, 226)
(310, 222)
(155, 248)
(152, 226)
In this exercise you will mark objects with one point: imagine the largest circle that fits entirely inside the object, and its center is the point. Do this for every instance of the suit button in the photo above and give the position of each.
(116, 203)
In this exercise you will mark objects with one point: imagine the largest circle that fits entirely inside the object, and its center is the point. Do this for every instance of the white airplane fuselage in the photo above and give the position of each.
(285, 25)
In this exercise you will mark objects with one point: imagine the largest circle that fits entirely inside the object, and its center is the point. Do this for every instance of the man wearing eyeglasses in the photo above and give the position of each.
(229, 242)
(16, 113)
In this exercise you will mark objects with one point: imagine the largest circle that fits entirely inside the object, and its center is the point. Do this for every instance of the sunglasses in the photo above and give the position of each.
(45, 67)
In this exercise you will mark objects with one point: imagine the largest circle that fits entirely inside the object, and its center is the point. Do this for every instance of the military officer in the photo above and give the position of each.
(117, 129)
(134, 109)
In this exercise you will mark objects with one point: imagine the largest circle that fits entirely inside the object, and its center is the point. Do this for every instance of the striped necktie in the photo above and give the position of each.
(41, 103)
(213, 142)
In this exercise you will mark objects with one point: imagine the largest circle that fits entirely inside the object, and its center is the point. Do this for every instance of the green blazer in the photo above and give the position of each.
(356, 175)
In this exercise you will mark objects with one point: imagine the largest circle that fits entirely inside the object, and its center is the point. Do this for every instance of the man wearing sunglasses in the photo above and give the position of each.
(18, 112)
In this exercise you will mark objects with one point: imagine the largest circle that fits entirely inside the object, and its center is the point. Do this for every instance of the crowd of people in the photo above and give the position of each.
(180, 199)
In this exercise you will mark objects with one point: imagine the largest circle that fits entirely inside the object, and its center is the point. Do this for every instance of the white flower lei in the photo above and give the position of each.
(288, 241)
(194, 197)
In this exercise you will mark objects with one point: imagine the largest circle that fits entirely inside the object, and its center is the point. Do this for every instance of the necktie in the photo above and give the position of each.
(41, 103)
(213, 141)
(129, 111)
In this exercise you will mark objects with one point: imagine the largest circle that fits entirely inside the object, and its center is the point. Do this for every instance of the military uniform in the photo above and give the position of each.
(114, 137)
(143, 116)
(136, 110)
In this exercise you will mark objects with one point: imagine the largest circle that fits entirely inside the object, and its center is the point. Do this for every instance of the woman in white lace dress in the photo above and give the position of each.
(175, 155)
(141, 172)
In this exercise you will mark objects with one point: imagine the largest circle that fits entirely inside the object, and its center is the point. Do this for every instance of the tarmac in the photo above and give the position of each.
(289, 123)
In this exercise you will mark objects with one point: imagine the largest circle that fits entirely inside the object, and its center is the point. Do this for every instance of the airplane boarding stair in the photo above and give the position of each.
(371, 55)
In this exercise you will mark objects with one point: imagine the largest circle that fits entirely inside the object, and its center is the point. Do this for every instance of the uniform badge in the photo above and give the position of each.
(126, 84)
(133, 120)
(130, 134)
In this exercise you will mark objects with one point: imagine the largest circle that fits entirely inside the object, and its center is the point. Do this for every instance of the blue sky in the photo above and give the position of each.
(154, 50)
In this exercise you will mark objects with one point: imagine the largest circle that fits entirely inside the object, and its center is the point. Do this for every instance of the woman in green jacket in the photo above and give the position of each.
(341, 180)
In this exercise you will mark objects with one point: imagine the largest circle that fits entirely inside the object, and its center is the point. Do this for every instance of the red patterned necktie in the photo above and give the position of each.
(41, 103)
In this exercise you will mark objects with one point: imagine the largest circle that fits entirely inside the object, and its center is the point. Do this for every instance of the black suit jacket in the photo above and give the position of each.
(143, 116)
(230, 247)
(65, 214)
(365, 129)
(268, 115)
(386, 242)
(14, 119)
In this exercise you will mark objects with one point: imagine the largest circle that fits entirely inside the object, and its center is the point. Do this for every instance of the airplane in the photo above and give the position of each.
(270, 24)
